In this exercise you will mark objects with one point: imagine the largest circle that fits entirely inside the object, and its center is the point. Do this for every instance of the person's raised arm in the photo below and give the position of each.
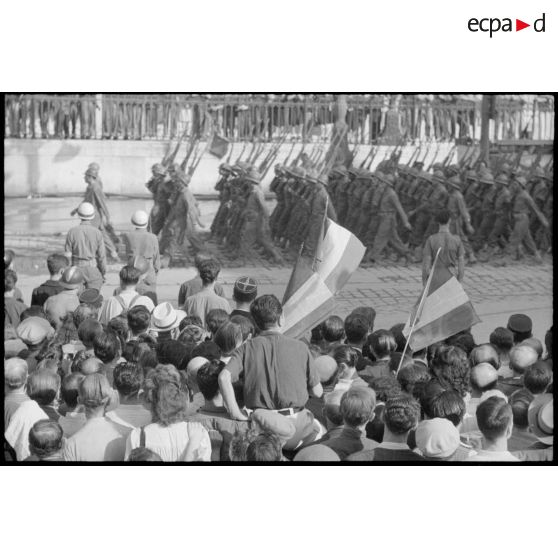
(229, 399)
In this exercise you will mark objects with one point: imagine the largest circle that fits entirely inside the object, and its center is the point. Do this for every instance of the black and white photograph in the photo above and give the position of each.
(284, 278)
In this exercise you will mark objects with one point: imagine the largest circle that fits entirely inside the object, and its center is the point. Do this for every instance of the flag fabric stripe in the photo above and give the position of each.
(443, 327)
(302, 272)
(440, 276)
(449, 296)
(311, 320)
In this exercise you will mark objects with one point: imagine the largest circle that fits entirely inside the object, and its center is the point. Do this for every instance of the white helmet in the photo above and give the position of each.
(140, 219)
(86, 211)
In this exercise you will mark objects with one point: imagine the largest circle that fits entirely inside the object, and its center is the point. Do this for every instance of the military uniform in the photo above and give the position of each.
(320, 206)
(87, 248)
(487, 211)
(139, 242)
(161, 191)
(172, 236)
(452, 253)
(500, 230)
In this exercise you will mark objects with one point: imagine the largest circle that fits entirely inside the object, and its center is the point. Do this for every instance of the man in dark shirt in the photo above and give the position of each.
(245, 291)
(401, 415)
(277, 372)
(55, 264)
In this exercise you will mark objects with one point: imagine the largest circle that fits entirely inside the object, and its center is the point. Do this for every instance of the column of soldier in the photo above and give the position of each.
(498, 211)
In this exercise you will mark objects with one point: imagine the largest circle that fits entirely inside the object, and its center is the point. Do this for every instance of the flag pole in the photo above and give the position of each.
(419, 309)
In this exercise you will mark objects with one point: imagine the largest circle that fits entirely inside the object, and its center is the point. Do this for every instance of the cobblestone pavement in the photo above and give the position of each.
(496, 292)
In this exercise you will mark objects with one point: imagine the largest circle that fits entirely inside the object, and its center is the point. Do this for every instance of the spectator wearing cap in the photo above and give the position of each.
(521, 358)
(72, 413)
(169, 435)
(127, 298)
(522, 437)
(56, 263)
(165, 321)
(13, 308)
(541, 424)
(207, 299)
(495, 420)
(277, 372)
(131, 411)
(195, 285)
(380, 345)
(57, 306)
(212, 414)
(437, 439)
(46, 441)
(401, 415)
(140, 242)
(245, 291)
(100, 439)
(357, 410)
(86, 248)
(15, 384)
(34, 332)
(92, 297)
(502, 340)
(521, 327)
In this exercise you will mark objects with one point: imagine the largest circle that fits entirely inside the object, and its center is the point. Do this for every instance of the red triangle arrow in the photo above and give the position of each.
(519, 25)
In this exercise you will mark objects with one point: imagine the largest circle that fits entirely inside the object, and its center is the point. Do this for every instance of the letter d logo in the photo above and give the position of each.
(539, 25)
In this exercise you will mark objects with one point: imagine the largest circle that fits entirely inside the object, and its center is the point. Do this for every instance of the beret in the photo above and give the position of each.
(246, 285)
(91, 296)
(34, 330)
(520, 323)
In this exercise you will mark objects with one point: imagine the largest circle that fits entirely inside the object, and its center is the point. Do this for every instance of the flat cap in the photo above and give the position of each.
(520, 323)
(91, 296)
(34, 330)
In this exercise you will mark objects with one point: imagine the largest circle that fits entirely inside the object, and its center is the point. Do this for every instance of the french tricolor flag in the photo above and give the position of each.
(308, 298)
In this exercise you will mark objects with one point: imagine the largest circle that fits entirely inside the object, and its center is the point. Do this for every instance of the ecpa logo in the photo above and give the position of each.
(494, 24)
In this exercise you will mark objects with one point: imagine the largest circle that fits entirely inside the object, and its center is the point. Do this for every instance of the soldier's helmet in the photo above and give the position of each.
(253, 177)
(298, 172)
(486, 178)
(471, 175)
(502, 178)
(174, 167)
(92, 173)
(312, 176)
(353, 172)
(94, 166)
(438, 176)
(140, 219)
(158, 169)
(437, 166)
(453, 170)
(521, 180)
(86, 211)
(455, 182)
(323, 179)
(72, 277)
(278, 169)
(388, 179)
(538, 172)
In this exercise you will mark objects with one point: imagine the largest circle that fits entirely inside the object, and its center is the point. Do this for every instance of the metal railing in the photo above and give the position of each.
(268, 117)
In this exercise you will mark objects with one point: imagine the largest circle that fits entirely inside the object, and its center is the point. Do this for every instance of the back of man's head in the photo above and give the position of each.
(215, 318)
(94, 391)
(484, 377)
(443, 216)
(266, 311)
(356, 328)
(208, 378)
(333, 329)
(447, 404)
(88, 330)
(451, 366)
(91, 365)
(485, 353)
(129, 275)
(369, 314)
(45, 438)
(56, 263)
(138, 319)
(15, 373)
(357, 406)
(266, 447)
(520, 401)
(521, 358)
(209, 271)
(381, 343)
(494, 418)
(401, 414)
(128, 378)
(82, 313)
(502, 339)
(69, 390)
(106, 346)
(538, 377)
(173, 352)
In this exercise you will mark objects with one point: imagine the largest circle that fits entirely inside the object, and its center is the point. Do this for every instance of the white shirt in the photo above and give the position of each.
(169, 442)
(486, 455)
(72, 422)
(132, 416)
(17, 433)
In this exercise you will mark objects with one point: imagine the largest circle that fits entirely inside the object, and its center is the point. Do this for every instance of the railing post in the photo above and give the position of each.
(99, 116)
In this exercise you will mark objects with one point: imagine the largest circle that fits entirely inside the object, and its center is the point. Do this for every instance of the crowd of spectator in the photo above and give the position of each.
(269, 116)
(86, 380)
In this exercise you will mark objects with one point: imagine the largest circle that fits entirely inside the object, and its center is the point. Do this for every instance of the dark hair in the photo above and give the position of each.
(240, 441)
(227, 337)
(43, 387)
(70, 389)
(451, 366)
(344, 354)
(143, 454)
(215, 318)
(33, 312)
(538, 377)
(385, 387)
(447, 404)
(396, 358)
(412, 378)
(548, 342)
(357, 406)
(443, 216)
(10, 280)
(148, 360)
(119, 325)
(369, 314)
(243, 297)
(138, 318)
(266, 311)
(56, 263)
(200, 258)
(173, 352)
(106, 346)
(190, 320)
(520, 401)
(356, 328)
(333, 329)
(82, 312)
(208, 350)
(88, 330)
(401, 413)
(400, 339)
(208, 378)
(316, 335)
(502, 339)
(381, 343)
(209, 271)
(246, 326)
(128, 378)
(266, 447)
(463, 340)
(129, 275)
(493, 417)
(45, 438)
(169, 403)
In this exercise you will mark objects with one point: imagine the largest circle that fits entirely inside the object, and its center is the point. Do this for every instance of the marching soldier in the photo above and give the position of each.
(500, 230)
(341, 200)
(85, 247)
(140, 242)
(489, 191)
(366, 204)
(460, 223)
(161, 191)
